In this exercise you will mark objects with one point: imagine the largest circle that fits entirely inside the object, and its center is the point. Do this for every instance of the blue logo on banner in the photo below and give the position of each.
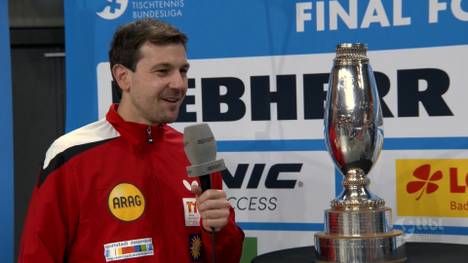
(113, 9)
(260, 28)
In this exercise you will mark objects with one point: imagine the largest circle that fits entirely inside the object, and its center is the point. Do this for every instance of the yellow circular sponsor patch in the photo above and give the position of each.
(126, 202)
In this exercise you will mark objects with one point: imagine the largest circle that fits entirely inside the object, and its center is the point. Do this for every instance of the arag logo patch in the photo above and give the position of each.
(126, 202)
(432, 187)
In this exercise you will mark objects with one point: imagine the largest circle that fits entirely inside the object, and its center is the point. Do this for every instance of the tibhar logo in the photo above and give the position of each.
(424, 182)
(188, 185)
(113, 9)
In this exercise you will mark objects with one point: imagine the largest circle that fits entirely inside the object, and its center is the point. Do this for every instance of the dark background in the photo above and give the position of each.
(38, 78)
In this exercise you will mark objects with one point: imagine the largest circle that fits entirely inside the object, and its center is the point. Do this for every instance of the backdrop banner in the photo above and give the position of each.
(6, 139)
(259, 73)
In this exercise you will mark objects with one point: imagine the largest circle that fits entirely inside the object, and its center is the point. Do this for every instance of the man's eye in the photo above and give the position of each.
(162, 71)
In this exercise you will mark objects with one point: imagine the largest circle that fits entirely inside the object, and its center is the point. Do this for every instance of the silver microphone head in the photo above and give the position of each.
(200, 148)
(199, 143)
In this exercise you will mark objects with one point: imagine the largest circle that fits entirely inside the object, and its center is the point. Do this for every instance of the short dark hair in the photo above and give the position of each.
(130, 37)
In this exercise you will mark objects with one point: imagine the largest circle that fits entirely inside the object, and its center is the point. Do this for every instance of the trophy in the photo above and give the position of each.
(358, 226)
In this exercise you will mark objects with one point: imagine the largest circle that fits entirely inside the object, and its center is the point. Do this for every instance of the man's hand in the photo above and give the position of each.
(213, 207)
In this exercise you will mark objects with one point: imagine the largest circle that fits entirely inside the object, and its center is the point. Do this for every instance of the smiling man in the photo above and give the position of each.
(117, 189)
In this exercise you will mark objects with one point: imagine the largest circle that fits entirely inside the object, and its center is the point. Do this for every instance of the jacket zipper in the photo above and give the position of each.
(148, 133)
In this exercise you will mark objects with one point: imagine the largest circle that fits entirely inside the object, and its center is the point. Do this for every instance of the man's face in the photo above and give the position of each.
(157, 86)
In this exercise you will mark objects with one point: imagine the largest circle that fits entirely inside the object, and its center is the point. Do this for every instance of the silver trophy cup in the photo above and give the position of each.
(358, 226)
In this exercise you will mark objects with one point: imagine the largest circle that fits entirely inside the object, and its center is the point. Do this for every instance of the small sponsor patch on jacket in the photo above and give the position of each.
(192, 217)
(126, 202)
(195, 247)
(129, 249)
(188, 185)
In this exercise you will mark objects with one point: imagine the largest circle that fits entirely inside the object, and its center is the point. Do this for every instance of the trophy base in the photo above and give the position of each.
(359, 237)
(378, 248)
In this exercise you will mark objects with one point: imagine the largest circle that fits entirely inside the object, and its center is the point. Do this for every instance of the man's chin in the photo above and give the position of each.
(169, 118)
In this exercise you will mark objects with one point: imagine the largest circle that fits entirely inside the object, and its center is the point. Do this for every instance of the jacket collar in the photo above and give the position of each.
(137, 134)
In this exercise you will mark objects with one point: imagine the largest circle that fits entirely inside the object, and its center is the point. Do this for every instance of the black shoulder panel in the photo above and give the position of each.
(66, 155)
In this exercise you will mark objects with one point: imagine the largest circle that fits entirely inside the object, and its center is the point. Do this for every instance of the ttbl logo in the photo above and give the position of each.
(113, 9)
(432, 187)
(191, 207)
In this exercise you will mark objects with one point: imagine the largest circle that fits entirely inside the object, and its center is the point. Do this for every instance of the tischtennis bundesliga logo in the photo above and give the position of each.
(113, 9)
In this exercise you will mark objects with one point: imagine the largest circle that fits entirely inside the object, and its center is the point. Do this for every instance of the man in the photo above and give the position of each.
(117, 189)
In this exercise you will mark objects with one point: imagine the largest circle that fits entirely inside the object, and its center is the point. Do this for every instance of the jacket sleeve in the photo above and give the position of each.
(50, 221)
(229, 240)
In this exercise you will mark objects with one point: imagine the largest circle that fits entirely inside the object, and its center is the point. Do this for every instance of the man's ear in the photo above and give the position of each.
(122, 76)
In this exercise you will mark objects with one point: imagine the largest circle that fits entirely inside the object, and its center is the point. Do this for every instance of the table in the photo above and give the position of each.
(416, 252)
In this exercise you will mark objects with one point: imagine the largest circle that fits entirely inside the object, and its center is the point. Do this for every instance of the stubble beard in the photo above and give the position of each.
(160, 115)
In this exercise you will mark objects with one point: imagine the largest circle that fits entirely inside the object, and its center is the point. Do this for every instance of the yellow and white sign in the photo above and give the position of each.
(432, 187)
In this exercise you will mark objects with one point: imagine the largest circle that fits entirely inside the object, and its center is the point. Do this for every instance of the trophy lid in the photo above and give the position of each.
(350, 53)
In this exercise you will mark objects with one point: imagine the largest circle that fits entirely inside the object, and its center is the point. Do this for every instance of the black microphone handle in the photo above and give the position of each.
(205, 182)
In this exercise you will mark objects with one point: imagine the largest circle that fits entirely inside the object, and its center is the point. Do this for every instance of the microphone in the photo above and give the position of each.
(200, 148)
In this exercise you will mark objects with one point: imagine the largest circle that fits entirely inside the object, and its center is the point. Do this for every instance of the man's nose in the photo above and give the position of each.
(179, 81)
